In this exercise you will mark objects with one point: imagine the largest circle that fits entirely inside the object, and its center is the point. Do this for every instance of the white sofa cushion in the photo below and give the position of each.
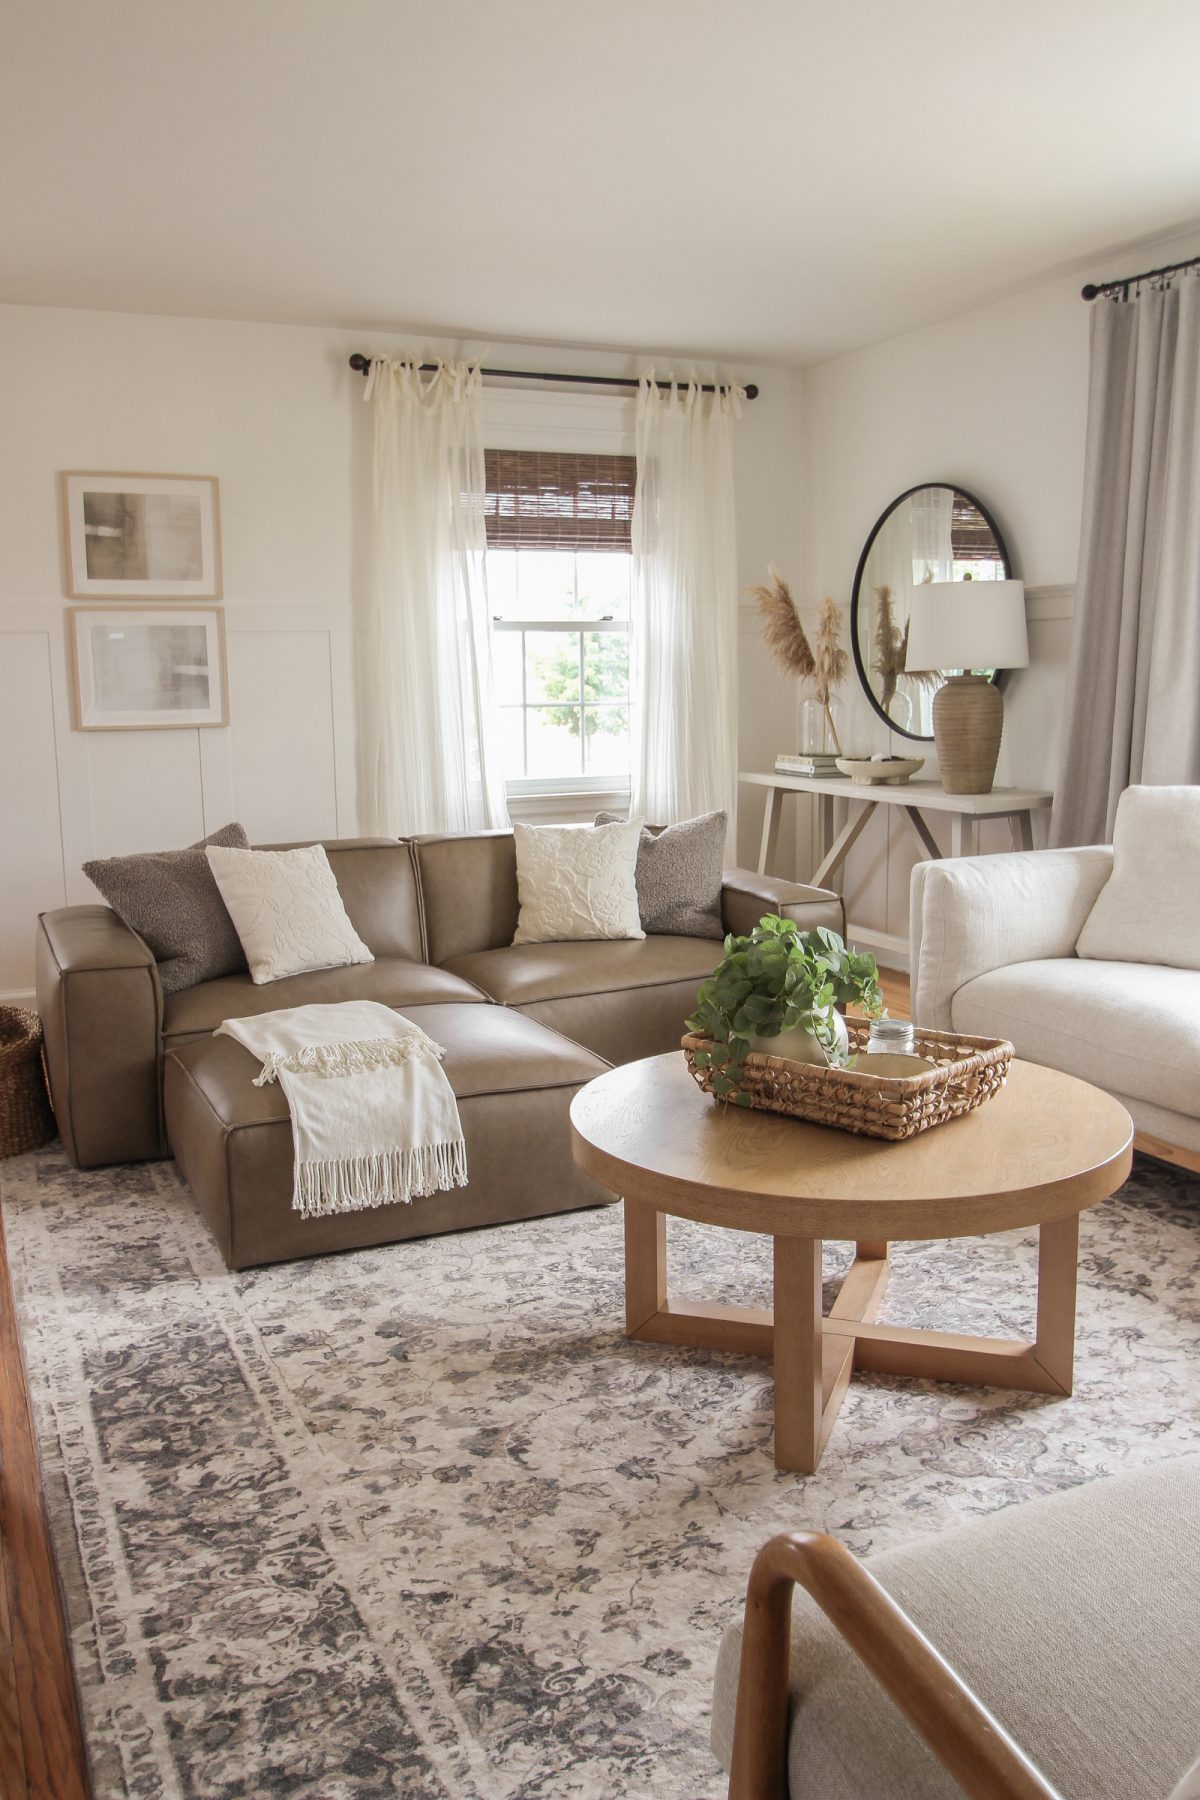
(1148, 911)
(576, 882)
(287, 910)
(1131, 1029)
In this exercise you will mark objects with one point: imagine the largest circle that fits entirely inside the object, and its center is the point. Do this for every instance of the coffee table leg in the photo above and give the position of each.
(645, 1264)
(1058, 1277)
(798, 1354)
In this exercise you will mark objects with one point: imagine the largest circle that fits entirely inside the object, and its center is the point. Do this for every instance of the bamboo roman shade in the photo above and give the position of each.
(971, 537)
(547, 500)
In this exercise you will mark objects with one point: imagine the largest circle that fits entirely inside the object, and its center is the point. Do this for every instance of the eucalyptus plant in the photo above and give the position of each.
(776, 979)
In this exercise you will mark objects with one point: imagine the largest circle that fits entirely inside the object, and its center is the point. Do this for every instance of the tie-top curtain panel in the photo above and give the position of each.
(1133, 693)
(684, 637)
(429, 758)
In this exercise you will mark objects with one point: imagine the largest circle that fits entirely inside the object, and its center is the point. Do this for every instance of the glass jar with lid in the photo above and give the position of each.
(891, 1037)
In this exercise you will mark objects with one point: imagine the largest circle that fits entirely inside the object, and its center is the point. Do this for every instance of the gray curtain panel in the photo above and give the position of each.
(1133, 692)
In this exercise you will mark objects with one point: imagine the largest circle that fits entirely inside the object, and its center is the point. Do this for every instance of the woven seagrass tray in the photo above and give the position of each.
(969, 1070)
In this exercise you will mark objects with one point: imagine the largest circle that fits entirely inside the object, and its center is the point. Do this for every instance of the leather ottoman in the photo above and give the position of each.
(514, 1079)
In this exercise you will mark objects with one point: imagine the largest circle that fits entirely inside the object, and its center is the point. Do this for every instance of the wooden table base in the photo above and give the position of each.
(815, 1355)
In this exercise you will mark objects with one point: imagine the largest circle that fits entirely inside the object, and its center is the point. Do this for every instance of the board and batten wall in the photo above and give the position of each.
(994, 401)
(275, 413)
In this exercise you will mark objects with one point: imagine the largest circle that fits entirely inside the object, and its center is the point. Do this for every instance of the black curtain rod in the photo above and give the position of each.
(1094, 289)
(361, 364)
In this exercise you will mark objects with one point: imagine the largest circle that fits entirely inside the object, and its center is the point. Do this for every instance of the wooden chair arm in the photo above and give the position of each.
(957, 1727)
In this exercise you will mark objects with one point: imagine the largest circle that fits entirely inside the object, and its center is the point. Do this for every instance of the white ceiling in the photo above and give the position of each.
(776, 180)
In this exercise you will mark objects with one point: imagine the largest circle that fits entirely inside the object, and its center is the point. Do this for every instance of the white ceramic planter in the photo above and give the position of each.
(799, 1044)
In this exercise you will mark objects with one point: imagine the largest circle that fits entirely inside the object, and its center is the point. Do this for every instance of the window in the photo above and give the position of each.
(558, 570)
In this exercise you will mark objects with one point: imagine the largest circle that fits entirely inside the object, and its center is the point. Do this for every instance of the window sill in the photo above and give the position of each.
(529, 804)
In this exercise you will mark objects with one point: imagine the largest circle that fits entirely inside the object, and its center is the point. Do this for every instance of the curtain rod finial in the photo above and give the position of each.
(1089, 292)
(360, 362)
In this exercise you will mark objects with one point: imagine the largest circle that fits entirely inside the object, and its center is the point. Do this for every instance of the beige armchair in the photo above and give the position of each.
(1047, 1652)
(993, 954)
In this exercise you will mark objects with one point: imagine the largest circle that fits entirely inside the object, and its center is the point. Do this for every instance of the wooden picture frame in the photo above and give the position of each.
(148, 668)
(141, 537)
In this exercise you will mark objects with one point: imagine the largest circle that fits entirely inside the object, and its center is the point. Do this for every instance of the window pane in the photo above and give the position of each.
(552, 666)
(605, 665)
(603, 581)
(506, 667)
(989, 570)
(606, 739)
(545, 584)
(512, 742)
(554, 747)
(500, 567)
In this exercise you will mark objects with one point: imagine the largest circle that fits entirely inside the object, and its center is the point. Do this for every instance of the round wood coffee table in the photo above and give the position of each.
(1041, 1151)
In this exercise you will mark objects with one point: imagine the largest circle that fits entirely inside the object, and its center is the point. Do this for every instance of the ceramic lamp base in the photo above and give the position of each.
(968, 719)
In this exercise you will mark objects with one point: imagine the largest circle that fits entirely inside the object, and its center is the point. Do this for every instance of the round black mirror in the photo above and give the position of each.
(936, 532)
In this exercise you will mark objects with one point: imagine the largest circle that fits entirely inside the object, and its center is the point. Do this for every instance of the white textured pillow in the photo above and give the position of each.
(577, 881)
(287, 910)
(1148, 911)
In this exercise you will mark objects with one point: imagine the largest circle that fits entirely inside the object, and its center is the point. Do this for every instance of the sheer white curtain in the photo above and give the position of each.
(684, 622)
(932, 520)
(428, 738)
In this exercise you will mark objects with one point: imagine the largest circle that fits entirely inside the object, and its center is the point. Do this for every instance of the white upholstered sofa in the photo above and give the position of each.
(1055, 949)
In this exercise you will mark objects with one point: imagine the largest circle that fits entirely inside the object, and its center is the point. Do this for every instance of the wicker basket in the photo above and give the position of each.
(25, 1116)
(969, 1071)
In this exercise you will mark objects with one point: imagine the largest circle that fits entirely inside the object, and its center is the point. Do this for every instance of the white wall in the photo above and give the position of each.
(993, 401)
(276, 414)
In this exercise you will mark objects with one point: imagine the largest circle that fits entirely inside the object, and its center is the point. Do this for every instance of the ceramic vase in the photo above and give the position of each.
(800, 1044)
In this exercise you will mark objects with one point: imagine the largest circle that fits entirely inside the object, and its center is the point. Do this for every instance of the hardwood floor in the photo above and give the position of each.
(41, 1740)
(42, 1754)
(895, 993)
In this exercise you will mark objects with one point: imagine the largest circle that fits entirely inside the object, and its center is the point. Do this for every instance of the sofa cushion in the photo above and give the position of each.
(514, 1082)
(392, 980)
(170, 899)
(1071, 1617)
(287, 910)
(490, 1051)
(577, 882)
(468, 891)
(623, 1000)
(679, 875)
(1146, 912)
(522, 974)
(1130, 1028)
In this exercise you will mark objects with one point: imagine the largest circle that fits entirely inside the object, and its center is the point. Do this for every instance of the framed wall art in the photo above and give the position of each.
(142, 537)
(148, 668)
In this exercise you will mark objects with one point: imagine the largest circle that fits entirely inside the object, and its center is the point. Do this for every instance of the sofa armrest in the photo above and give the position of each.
(100, 1000)
(971, 914)
(965, 1737)
(746, 896)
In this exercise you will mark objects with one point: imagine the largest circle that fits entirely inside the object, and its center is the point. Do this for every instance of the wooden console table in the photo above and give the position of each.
(915, 798)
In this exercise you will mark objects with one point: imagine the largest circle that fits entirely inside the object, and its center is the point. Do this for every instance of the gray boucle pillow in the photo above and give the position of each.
(679, 869)
(170, 899)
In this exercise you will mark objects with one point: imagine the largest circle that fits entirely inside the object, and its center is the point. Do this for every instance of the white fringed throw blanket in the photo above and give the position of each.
(374, 1119)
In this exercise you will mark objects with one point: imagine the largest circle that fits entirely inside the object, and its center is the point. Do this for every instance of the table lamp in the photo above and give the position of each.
(968, 625)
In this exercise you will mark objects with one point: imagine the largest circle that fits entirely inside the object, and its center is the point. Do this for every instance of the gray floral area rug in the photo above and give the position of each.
(420, 1521)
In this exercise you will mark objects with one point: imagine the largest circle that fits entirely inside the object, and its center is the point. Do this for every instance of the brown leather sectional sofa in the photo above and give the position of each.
(135, 1074)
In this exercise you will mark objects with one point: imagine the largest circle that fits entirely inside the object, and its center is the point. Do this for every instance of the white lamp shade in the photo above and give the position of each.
(968, 625)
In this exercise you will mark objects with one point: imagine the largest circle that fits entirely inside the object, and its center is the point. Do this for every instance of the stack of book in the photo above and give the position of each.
(805, 764)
